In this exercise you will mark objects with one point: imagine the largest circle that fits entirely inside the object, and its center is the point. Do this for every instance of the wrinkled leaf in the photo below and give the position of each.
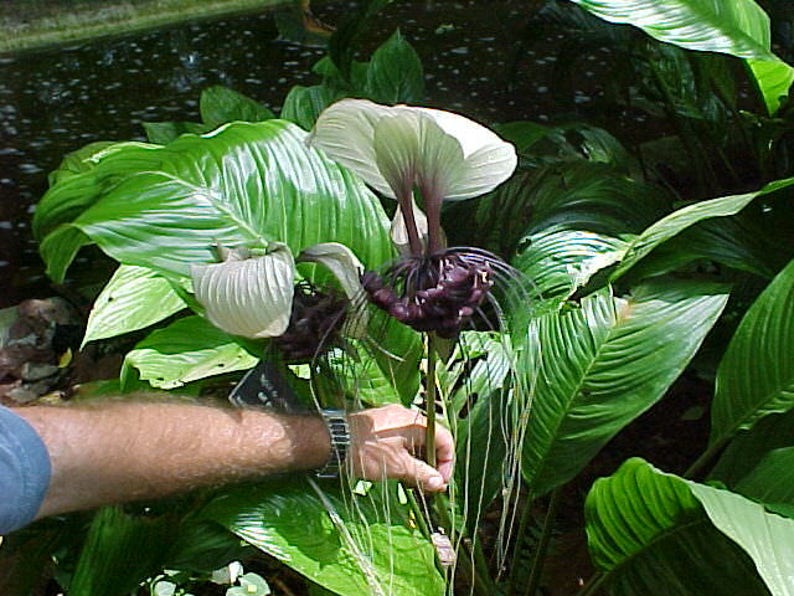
(257, 183)
(134, 298)
(187, 350)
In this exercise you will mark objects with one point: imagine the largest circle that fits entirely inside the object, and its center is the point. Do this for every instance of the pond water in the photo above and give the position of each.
(57, 100)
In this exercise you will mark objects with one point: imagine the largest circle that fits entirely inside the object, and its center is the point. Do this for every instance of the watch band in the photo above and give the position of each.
(338, 429)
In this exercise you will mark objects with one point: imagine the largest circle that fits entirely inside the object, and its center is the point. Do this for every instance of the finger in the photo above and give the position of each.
(445, 452)
(424, 477)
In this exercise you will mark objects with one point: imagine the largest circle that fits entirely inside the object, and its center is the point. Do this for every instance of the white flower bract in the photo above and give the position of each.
(394, 149)
(249, 297)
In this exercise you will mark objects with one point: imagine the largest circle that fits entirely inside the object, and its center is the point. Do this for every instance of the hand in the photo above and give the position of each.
(386, 443)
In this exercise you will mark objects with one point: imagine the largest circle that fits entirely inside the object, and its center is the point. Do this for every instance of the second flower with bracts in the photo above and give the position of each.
(421, 157)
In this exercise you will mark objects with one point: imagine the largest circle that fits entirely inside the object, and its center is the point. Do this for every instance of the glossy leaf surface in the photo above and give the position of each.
(187, 350)
(739, 28)
(603, 364)
(376, 551)
(243, 184)
(644, 527)
(134, 298)
(756, 375)
(679, 221)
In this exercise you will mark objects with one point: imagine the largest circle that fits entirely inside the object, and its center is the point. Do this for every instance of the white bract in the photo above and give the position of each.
(399, 148)
(251, 297)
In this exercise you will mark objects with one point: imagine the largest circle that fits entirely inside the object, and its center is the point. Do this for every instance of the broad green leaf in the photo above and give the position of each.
(219, 105)
(756, 375)
(60, 247)
(578, 196)
(162, 133)
(134, 298)
(677, 222)
(603, 364)
(243, 184)
(78, 187)
(772, 480)
(78, 161)
(743, 242)
(739, 28)
(348, 544)
(749, 447)
(774, 78)
(644, 527)
(120, 552)
(395, 73)
(558, 263)
(767, 538)
(187, 350)
(304, 104)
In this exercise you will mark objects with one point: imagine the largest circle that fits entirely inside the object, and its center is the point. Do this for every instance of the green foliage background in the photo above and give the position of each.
(633, 283)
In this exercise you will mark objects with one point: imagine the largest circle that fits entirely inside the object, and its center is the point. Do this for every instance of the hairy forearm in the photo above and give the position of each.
(121, 451)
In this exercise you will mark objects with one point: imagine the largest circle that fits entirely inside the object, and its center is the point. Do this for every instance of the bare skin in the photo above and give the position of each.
(115, 452)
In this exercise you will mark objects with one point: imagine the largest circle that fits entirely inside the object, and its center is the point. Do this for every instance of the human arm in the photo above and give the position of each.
(117, 451)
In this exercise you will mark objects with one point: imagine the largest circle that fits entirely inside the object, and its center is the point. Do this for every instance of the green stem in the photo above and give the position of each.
(424, 528)
(526, 515)
(708, 455)
(471, 551)
(543, 545)
(430, 406)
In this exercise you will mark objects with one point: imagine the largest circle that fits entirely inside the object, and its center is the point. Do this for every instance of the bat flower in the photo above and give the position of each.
(415, 154)
(254, 294)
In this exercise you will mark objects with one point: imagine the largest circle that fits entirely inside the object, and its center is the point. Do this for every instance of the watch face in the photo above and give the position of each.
(266, 387)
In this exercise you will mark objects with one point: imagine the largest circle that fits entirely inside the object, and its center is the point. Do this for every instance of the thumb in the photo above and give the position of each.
(425, 477)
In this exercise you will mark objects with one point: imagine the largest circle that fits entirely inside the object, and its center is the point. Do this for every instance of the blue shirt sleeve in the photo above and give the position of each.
(25, 471)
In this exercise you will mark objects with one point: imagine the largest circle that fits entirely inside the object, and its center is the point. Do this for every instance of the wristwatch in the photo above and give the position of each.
(338, 429)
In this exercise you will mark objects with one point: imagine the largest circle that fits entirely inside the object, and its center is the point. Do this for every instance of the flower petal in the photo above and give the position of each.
(251, 297)
(342, 262)
(345, 131)
(487, 159)
(411, 149)
(347, 270)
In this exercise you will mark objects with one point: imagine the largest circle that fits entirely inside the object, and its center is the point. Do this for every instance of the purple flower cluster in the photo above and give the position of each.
(315, 323)
(437, 293)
